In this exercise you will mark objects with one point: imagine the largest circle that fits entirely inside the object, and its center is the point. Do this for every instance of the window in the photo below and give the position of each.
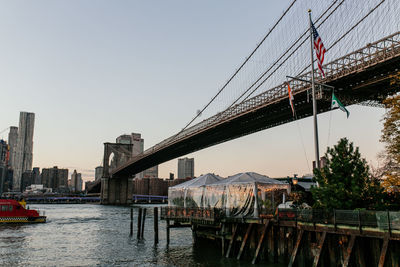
(4, 207)
(10, 207)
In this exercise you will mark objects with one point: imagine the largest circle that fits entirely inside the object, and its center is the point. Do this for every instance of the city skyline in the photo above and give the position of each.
(160, 68)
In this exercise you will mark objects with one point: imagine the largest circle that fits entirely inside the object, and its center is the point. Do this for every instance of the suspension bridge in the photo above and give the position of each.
(363, 62)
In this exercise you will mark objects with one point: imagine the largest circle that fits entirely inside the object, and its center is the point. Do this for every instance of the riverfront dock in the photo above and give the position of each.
(297, 237)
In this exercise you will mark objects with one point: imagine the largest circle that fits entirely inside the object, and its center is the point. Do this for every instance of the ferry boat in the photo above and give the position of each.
(12, 211)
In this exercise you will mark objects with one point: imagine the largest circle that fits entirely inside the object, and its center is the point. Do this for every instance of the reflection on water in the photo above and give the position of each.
(95, 235)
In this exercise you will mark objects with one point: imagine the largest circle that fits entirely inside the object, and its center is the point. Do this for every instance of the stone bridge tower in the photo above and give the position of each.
(116, 190)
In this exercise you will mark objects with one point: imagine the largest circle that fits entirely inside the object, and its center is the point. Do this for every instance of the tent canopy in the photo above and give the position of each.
(246, 178)
(205, 179)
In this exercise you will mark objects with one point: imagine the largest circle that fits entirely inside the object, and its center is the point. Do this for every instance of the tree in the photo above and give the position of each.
(390, 172)
(345, 181)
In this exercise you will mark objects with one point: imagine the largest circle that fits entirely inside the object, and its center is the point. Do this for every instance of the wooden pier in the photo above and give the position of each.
(298, 237)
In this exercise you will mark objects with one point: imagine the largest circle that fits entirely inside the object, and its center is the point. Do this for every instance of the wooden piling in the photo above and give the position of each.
(244, 241)
(360, 255)
(167, 227)
(296, 247)
(155, 225)
(319, 249)
(383, 251)
(235, 227)
(131, 230)
(139, 224)
(143, 221)
(223, 239)
(260, 242)
(348, 251)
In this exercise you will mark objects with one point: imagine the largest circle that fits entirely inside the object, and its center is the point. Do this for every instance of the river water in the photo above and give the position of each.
(96, 235)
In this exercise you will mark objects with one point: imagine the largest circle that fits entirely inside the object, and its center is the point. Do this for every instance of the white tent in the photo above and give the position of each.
(236, 194)
(190, 193)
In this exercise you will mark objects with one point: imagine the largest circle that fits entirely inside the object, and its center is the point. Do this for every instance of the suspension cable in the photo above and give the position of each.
(239, 69)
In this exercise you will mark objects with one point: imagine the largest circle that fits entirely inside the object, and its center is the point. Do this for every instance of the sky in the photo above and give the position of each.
(93, 70)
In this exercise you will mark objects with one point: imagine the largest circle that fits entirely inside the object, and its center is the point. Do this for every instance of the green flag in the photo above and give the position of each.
(337, 104)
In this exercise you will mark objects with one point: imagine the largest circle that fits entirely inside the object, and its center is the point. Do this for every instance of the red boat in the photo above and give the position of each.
(12, 211)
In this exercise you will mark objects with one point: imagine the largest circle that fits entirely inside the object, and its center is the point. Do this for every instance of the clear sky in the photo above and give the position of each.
(93, 70)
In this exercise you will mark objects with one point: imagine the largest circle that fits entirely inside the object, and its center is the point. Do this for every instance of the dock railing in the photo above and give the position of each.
(191, 214)
(384, 220)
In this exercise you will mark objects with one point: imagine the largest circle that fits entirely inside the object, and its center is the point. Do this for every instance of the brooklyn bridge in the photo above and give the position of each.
(362, 67)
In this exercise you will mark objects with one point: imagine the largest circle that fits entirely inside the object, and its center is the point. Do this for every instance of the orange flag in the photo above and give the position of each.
(291, 98)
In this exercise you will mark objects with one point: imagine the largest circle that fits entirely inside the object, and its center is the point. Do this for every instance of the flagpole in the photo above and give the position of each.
(313, 97)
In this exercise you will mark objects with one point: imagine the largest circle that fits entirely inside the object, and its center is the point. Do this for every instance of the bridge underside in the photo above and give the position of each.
(370, 84)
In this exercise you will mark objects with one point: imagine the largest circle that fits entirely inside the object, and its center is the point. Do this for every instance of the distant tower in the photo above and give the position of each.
(138, 147)
(138, 144)
(186, 168)
(24, 149)
(98, 173)
(4, 154)
(36, 176)
(74, 181)
(12, 141)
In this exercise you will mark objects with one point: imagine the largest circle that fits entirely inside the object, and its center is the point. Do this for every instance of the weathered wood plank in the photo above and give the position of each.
(244, 241)
(296, 247)
(320, 244)
(223, 239)
(348, 251)
(383, 251)
(235, 227)
(260, 242)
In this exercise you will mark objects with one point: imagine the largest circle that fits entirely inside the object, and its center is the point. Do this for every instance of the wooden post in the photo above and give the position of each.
(334, 219)
(139, 224)
(348, 251)
(383, 251)
(167, 231)
(260, 242)
(232, 239)
(223, 239)
(360, 255)
(155, 225)
(296, 247)
(143, 221)
(320, 244)
(244, 241)
(131, 232)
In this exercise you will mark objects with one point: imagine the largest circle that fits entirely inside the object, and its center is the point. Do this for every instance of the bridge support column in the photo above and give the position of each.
(104, 191)
(117, 191)
(112, 188)
(129, 190)
(123, 191)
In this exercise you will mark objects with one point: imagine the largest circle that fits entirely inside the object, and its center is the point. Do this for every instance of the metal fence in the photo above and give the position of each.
(383, 220)
(190, 214)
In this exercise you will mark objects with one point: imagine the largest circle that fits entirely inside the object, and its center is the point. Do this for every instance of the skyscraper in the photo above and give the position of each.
(12, 141)
(55, 178)
(36, 176)
(186, 167)
(4, 156)
(98, 173)
(24, 149)
(138, 147)
(76, 181)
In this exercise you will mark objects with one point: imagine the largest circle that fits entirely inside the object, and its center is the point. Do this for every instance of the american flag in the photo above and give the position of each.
(319, 48)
